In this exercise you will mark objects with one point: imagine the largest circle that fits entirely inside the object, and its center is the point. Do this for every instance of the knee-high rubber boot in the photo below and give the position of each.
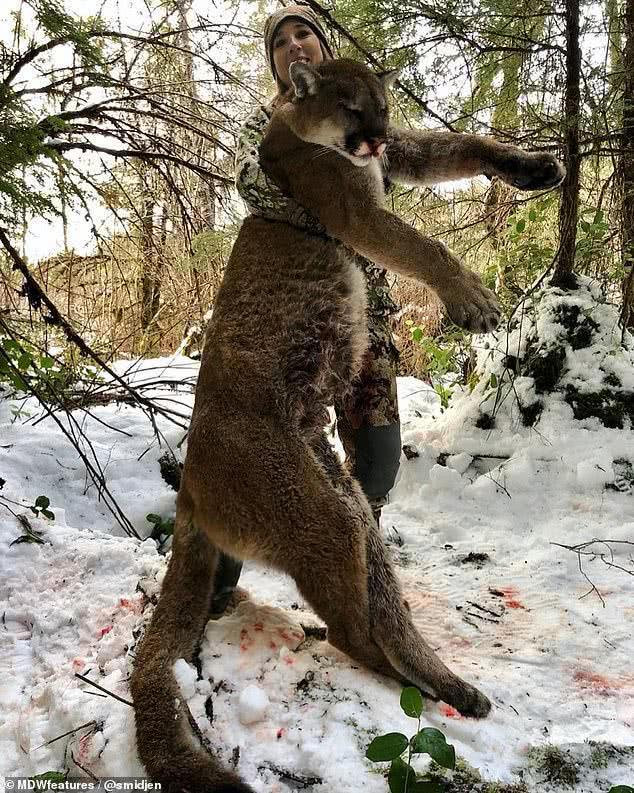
(376, 462)
(227, 575)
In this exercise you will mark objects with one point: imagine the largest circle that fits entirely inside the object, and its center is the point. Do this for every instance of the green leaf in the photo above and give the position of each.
(412, 702)
(48, 514)
(585, 226)
(18, 382)
(417, 335)
(621, 789)
(432, 742)
(493, 381)
(532, 216)
(401, 777)
(42, 502)
(520, 226)
(387, 747)
(10, 345)
(152, 518)
(52, 776)
(46, 362)
(24, 361)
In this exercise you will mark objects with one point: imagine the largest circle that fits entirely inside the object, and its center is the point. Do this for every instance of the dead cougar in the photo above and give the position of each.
(288, 332)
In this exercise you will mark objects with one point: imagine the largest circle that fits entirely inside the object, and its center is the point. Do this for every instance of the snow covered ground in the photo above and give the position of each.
(504, 606)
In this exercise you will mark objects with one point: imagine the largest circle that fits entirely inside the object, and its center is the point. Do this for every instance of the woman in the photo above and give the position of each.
(367, 422)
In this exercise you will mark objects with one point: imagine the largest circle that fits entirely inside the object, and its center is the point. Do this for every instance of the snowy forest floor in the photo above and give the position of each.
(473, 526)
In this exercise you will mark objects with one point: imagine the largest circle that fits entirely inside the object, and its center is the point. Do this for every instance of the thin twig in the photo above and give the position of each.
(66, 734)
(583, 549)
(105, 690)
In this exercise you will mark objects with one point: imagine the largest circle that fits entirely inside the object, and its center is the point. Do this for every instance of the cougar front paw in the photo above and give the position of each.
(470, 304)
(534, 170)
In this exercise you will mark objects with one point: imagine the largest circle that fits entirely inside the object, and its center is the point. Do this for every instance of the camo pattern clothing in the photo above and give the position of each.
(372, 401)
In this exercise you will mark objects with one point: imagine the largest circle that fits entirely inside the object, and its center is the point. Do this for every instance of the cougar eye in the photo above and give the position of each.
(353, 111)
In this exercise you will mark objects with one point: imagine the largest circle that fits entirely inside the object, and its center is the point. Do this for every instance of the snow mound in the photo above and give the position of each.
(564, 355)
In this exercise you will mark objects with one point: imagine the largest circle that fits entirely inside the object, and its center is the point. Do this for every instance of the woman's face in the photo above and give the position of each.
(294, 41)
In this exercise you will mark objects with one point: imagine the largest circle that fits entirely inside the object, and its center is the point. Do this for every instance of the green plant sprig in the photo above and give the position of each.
(42, 504)
(402, 778)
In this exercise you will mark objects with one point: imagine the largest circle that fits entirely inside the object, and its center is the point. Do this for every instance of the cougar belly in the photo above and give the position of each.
(294, 304)
(326, 338)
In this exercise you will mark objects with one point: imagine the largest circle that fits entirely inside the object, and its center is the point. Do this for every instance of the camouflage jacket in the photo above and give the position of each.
(264, 198)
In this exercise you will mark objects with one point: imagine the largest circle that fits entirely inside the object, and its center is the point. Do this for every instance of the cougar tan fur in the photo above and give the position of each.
(288, 333)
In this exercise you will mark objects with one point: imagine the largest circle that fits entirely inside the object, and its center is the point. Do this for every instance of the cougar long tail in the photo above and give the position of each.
(165, 738)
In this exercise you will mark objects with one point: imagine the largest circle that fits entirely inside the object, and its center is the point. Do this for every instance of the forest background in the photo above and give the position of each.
(117, 135)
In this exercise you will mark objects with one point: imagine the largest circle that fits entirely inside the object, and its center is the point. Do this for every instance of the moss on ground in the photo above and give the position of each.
(555, 765)
(466, 779)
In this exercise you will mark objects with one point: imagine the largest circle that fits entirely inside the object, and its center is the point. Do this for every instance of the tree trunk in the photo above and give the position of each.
(150, 284)
(569, 207)
(627, 168)
(499, 205)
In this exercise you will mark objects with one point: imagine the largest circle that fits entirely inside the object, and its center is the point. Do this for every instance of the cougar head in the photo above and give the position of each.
(342, 105)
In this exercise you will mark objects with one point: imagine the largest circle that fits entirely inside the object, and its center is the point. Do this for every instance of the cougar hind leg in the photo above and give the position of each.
(393, 630)
(163, 721)
(363, 606)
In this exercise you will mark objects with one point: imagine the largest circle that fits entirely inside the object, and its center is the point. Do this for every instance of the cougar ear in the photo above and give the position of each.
(388, 78)
(305, 79)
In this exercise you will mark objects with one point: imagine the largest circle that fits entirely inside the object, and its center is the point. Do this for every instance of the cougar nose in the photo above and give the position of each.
(376, 146)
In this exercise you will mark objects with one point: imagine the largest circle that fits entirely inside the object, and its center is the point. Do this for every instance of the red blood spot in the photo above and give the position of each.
(258, 626)
(84, 745)
(245, 640)
(280, 732)
(288, 660)
(510, 595)
(273, 646)
(449, 712)
(135, 605)
(105, 630)
(600, 684)
(282, 632)
(78, 663)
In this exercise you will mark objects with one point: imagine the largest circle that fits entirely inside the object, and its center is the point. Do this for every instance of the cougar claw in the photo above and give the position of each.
(535, 171)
